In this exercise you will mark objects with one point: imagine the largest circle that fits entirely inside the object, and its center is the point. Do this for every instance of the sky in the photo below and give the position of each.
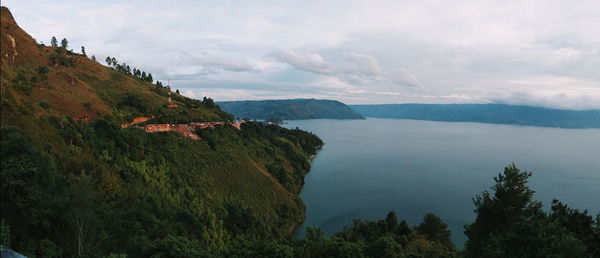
(540, 53)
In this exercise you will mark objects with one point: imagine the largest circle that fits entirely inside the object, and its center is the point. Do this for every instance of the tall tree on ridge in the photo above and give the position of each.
(64, 43)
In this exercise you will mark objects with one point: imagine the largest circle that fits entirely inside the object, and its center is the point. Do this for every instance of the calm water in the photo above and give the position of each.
(369, 167)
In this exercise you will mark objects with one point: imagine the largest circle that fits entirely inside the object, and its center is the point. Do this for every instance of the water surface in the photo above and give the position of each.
(369, 167)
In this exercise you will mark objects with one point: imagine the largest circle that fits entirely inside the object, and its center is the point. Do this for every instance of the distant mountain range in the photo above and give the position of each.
(485, 113)
(290, 109)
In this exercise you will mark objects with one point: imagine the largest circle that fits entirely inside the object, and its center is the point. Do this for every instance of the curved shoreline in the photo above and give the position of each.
(299, 223)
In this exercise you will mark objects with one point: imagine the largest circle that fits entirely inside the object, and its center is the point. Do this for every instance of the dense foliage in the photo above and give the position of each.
(122, 191)
(290, 109)
(485, 113)
(510, 223)
(75, 183)
(102, 189)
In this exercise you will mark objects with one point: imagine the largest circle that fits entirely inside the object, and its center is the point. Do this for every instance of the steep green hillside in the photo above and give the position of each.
(290, 109)
(74, 183)
(485, 113)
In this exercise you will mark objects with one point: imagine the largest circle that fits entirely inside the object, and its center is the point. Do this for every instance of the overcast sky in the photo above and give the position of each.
(544, 53)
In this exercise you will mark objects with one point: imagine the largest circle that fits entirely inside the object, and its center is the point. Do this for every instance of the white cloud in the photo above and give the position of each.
(311, 62)
(526, 52)
(350, 68)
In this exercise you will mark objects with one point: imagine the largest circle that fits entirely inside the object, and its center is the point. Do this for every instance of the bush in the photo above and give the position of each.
(44, 105)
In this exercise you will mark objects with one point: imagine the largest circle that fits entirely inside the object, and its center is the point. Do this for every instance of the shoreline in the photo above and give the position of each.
(299, 223)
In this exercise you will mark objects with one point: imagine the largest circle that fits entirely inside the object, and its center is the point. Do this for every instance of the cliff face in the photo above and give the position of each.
(76, 181)
(18, 47)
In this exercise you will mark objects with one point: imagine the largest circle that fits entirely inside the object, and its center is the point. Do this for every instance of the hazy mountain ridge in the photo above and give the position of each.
(485, 113)
(290, 109)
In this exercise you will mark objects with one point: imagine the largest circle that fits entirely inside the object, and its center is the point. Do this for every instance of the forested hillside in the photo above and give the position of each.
(74, 183)
(485, 113)
(290, 109)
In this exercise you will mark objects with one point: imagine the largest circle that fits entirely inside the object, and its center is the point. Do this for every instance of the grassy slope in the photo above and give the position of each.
(85, 89)
(258, 168)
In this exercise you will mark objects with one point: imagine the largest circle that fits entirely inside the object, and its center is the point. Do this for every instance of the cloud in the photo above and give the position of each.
(310, 62)
(350, 67)
(402, 76)
(212, 62)
(356, 63)
(395, 51)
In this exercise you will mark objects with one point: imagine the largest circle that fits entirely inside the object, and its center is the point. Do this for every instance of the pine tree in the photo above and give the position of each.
(177, 91)
(143, 76)
(149, 78)
(108, 61)
(510, 204)
(94, 58)
(435, 230)
(54, 42)
(83, 51)
(64, 43)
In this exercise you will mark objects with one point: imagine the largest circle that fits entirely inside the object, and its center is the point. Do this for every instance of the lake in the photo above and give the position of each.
(370, 167)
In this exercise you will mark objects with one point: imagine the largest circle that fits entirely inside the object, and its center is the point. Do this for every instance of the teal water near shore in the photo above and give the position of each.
(369, 167)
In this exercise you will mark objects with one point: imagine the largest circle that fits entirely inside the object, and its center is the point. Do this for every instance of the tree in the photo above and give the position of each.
(85, 207)
(385, 246)
(391, 220)
(177, 91)
(4, 234)
(144, 76)
(33, 191)
(313, 233)
(108, 61)
(177, 246)
(511, 202)
(208, 102)
(435, 230)
(579, 223)
(83, 51)
(64, 43)
(54, 42)
(510, 223)
(94, 58)
(149, 78)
